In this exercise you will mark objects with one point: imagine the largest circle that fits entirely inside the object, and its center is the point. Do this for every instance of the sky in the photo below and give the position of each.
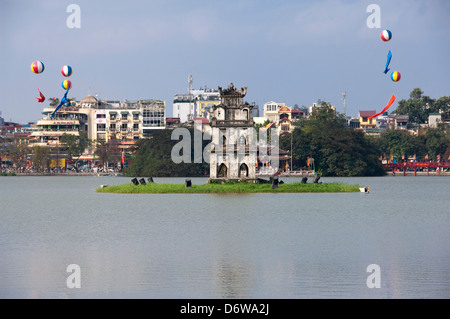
(293, 52)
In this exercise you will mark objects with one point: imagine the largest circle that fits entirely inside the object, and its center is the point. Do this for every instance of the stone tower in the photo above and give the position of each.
(233, 153)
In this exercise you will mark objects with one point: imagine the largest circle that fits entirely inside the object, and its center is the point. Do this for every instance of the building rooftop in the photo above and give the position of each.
(172, 120)
(202, 120)
(89, 99)
(367, 113)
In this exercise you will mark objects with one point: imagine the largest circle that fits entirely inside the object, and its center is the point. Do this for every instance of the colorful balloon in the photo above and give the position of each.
(66, 84)
(386, 35)
(37, 67)
(395, 76)
(66, 70)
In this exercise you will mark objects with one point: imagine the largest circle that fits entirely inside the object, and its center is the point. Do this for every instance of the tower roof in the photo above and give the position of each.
(232, 91)
(89, 99)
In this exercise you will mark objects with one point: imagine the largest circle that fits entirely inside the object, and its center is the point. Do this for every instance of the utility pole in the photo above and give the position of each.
(292, 154)
(191, 98)
(344, 95)
(190, 83)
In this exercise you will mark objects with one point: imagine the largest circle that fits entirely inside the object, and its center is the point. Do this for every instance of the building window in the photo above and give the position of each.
(222, 139)
(112, 127)
(101, 127)
(124, 127)
(112, 117)
(135, 127)
(153, 118)
(124, 116)
(245, 113)
(101, 116)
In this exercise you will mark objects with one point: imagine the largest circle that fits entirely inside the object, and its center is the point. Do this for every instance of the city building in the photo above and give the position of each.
(194, 103)
(153, 116)
(271, 111)
(183, 107)
(353, 123)
(364, 121)
(297, 114)
(255, 110)
(401, 122)
(434, 119)
(49, 131)
(204, 100)
(172, 122)
(281, 115)
(202, 124)
(125, 121)
(284, 120)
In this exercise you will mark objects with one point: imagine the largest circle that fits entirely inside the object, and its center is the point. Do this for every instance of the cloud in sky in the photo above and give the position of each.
(289, 51)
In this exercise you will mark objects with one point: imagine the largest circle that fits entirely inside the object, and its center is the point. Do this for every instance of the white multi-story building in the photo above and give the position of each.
(183, 107)
(101, 120)
(271, 109)
(195, 103)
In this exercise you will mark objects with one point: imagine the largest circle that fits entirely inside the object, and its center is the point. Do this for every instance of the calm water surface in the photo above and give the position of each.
(224, 246)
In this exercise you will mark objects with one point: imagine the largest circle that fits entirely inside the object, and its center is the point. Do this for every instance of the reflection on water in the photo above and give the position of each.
(224, 246)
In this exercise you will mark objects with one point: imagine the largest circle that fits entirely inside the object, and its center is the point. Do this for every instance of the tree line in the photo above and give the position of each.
(324, 140)
(153, 158)
(22, 156)
(335, 149)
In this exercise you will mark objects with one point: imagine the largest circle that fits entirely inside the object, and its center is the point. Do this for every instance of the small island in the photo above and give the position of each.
(228, 188)
(233, 158)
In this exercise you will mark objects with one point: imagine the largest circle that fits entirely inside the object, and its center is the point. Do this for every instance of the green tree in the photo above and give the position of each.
(53, 102)
(108, 151)
(431, 141)
(336, 149)
(18, 154)
(75, 145)
(442, 105)
(397, 143)
(41, 158)
(437, 142)
(153, 158)
(417, 107)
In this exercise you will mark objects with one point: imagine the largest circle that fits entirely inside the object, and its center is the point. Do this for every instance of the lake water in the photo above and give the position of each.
(224, 246)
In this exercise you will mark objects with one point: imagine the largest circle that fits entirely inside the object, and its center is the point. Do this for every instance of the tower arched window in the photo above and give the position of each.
(245, 114)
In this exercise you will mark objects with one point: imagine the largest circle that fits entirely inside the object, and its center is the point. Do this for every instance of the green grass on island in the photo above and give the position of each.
(155, 188)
